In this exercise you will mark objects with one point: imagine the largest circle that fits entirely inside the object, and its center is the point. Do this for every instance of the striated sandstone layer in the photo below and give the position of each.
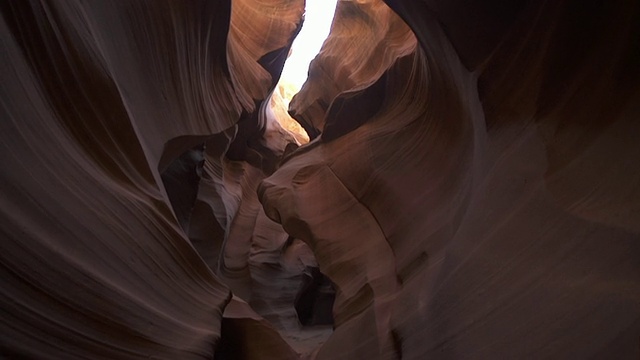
(471, 189)
(484, 188)
(106, 110)
(366, 38)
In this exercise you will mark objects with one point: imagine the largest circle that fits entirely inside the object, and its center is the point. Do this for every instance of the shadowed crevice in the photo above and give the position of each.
(314, 301)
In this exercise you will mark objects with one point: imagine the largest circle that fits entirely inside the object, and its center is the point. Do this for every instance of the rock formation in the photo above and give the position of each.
(100, 102)
(471, 190)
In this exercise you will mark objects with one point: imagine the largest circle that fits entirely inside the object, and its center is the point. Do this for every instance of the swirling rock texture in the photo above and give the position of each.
(366, 38)
(472, 189)
(109, 109)
(484, 189)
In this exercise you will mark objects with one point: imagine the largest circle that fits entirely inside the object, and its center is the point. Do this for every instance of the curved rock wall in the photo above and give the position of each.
(100, 99)
(472, 190)
(366, 38)
(489, 207)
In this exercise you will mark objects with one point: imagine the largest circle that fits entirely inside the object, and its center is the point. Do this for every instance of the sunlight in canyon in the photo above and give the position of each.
(315, 29)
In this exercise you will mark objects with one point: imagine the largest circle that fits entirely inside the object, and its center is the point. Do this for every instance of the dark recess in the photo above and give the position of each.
(314, 301)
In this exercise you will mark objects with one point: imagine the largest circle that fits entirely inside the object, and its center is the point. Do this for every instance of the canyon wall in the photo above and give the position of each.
(471, 188)
(103, 103)
(484, 188)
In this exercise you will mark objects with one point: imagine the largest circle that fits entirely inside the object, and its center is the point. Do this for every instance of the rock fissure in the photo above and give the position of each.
(470, 190)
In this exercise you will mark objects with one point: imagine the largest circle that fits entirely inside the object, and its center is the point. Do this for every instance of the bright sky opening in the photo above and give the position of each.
(317, 23)
(305, 47)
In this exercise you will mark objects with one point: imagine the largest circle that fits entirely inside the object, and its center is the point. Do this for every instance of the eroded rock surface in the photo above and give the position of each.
(99, 100)
(472, 211)
(471, 189)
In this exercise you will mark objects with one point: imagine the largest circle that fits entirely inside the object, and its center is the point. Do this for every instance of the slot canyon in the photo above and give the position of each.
(456, 179)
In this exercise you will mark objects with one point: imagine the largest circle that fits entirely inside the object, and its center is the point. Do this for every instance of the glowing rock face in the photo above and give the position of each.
(472, 192)
(280, 109)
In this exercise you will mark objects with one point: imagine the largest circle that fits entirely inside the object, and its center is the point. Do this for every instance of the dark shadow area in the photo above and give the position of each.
(246, 338)
(206, 234)
(181, 179)
(314, 301)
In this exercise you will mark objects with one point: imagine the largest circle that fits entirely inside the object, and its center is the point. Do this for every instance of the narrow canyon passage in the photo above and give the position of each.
(453, 180)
